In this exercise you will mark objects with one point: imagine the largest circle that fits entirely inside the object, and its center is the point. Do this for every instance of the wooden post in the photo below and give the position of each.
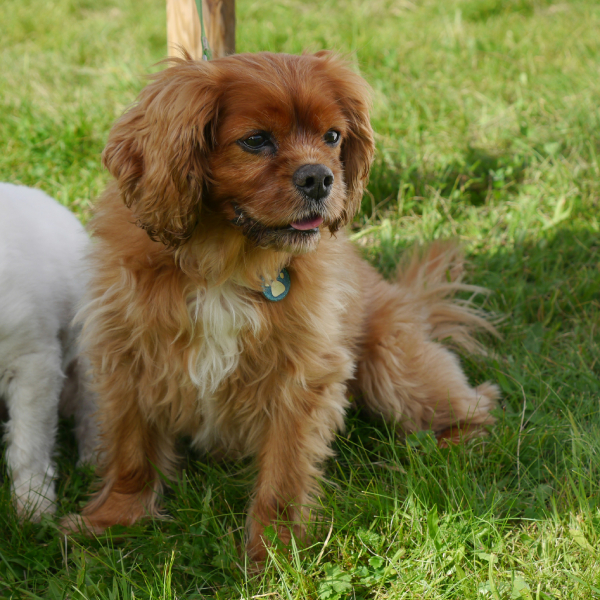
(183, 27)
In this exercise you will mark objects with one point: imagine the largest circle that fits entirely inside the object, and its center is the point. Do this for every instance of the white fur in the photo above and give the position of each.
(222, 312)
(42, 246)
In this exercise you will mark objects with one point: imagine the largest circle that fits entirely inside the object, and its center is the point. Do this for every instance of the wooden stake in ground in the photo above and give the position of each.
(183, 27)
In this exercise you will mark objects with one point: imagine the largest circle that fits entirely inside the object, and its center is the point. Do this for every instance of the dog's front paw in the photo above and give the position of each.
(261, 539)
(265, 532)
(114, 508)
(257, 543)
(75, 523)
(34, 505)
(34, 496)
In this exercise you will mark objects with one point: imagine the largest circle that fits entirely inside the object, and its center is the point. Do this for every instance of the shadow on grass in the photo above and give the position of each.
(474, 177)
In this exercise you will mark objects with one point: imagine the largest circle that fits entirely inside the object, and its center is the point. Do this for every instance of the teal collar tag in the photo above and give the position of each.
(278, 288)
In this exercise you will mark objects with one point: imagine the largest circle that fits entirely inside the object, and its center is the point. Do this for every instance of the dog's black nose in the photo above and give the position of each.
(314, 181)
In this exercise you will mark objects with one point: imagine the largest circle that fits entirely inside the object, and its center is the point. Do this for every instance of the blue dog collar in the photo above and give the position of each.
(278, 288)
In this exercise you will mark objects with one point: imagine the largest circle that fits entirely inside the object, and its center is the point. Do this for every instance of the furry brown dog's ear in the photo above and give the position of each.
(157, 151)
(358, 146)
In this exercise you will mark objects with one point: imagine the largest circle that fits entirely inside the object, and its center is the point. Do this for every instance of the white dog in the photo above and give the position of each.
(42, 280)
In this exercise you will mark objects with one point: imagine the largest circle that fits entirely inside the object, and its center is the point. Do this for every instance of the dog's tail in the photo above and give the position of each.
(431, 277)
(404, 373)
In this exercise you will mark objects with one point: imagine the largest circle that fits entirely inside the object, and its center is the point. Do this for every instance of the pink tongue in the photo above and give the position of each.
(307, 224)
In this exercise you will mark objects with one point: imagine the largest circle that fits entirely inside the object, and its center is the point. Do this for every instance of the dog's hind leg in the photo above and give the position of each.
(403, 372)
(32, 395)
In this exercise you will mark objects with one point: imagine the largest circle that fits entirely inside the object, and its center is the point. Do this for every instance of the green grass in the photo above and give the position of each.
(488, 130)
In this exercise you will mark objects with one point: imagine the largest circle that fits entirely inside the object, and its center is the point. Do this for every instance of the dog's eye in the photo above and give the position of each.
(332, 137)
(256, 142)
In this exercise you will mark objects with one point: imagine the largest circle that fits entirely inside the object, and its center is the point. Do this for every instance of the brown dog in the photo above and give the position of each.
(231, 177)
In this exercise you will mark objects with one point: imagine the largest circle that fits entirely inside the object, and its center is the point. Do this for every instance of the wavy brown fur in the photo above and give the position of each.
(182, 341)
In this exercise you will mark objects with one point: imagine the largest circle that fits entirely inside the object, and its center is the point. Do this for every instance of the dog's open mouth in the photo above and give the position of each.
(294, 235)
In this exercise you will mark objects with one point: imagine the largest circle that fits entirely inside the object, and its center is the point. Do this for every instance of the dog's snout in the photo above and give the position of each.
(314, 181)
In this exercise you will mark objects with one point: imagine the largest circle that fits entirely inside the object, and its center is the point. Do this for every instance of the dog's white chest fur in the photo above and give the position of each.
(222, 313)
